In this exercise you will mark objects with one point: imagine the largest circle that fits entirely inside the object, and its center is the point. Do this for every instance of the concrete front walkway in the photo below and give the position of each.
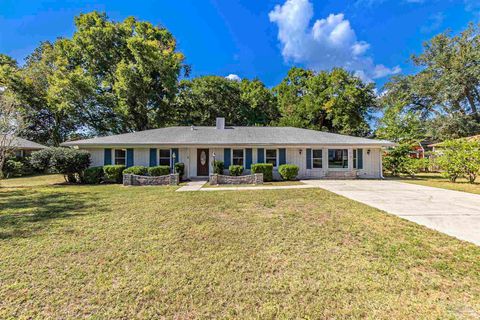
(194, 185)
(259, 188)
(452, 212)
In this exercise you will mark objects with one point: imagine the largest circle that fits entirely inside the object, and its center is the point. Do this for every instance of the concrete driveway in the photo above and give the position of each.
(452, 212)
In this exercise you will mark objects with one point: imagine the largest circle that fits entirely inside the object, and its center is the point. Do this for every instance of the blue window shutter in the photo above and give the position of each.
(177, 156)
(226, 157)
(248, 158)
(129, 157)
(107, 157)
(309, 158)
(282, 158)
(153, 157)
(360, 158)
(260, 155)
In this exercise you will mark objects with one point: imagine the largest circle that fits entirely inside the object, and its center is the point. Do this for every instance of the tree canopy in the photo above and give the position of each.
(201, 100)
(114, 77)
(335, 101)
(444, 95)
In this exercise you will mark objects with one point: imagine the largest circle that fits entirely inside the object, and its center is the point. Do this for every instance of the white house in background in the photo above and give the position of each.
(23, 148)
(317, 154)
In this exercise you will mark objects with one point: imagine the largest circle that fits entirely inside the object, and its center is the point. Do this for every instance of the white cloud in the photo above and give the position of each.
(330, 42)
(233, 77)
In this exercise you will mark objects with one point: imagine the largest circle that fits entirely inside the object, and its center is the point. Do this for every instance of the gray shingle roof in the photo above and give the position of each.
(228, 136)
(25, 144)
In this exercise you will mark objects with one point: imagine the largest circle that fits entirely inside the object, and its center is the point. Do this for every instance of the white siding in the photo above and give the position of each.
(371, 163)
(96, 157)
(141, 157)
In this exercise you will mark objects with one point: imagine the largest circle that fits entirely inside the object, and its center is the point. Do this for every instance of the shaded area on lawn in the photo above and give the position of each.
(25, 212)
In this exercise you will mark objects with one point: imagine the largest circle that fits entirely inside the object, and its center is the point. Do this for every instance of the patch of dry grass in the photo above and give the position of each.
(436, 180)
(113, 252)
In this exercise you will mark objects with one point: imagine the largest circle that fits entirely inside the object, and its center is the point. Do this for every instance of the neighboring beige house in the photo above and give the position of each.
(317, 154)
(24, 148)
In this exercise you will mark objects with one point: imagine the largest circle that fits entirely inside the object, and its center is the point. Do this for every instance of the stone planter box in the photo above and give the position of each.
(216, 179)
(134, 180)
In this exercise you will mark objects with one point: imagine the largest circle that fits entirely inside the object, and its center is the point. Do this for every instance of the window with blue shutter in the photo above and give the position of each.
(153, 157)
(282, 159)
(309, 158)
(107, 157)
(248, 158)
(260, 155)
(129, 157)
(226, 157)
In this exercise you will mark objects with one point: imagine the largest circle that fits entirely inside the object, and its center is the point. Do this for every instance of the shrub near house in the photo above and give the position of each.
(93, 175)
(218, 167)
(113, 173)
(137, 170)
(235, 170)
(288, 171)
(265, 168)
(158, 171)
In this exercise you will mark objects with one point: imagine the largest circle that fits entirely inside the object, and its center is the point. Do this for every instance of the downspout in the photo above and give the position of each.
(381, 164)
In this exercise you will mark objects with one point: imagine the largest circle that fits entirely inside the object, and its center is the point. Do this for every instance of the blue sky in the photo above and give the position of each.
(255, 38)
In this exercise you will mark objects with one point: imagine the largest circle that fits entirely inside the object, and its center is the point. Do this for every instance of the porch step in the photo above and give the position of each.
(341, 175)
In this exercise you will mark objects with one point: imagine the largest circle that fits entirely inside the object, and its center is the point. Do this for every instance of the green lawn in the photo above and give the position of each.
(118, 252)
(436, 180)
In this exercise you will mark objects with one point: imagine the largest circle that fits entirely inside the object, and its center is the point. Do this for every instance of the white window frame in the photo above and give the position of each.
(115, 157)
(169, 157)
(342, 168)
(276, 156)
(312, 157)
(243, 157)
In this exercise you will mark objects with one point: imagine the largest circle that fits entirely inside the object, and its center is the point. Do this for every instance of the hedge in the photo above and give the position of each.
(288, 171)
(93, 175)
(265, 168)
(138, 170)
(218, 167)
(113, 173)
(235, 170)
(159, 171)
(180, 169)
(69, 162)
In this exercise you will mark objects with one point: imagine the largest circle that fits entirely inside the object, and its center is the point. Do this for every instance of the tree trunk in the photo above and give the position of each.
(471, 101)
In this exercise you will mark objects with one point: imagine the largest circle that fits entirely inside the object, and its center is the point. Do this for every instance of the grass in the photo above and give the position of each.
(109, 251)
(32, 181)
(265, 184)
(436, 180)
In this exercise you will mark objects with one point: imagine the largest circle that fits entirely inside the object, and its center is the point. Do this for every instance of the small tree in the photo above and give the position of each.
(10, 125)
(459, 158)
(395, 159)
(69, 162)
